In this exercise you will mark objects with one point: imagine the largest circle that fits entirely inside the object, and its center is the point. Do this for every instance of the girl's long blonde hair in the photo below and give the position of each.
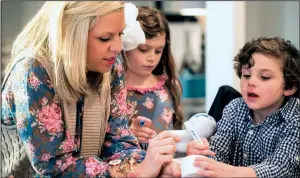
(59, 33)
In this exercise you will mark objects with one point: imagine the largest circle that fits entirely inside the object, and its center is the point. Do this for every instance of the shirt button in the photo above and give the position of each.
(250, 132)
(245, 156)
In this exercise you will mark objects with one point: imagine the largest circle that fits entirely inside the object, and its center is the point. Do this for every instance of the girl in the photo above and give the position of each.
(154, 90)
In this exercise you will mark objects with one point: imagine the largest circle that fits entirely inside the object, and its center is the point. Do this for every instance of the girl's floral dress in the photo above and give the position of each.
(29, 98)
(154, 103)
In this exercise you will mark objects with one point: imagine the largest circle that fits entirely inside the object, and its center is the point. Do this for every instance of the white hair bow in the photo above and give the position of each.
(133, 33)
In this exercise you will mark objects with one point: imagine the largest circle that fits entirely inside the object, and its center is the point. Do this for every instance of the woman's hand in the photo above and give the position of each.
(171, 170)
(195, 148)
(160, 151)
(143, 133)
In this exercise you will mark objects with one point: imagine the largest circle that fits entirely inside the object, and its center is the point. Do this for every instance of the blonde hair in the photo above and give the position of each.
(59, 33)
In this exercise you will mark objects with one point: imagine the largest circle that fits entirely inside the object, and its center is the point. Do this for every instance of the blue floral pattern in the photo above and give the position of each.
(154, 103)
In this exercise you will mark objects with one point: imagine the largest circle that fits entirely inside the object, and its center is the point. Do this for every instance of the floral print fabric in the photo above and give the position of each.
(154, 103)
(30, 102)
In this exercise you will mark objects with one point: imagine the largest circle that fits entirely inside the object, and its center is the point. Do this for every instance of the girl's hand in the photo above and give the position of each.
(143, 133)
(195, 148)
(160, 152)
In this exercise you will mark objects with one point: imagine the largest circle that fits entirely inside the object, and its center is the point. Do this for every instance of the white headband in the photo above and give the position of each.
(133, 33)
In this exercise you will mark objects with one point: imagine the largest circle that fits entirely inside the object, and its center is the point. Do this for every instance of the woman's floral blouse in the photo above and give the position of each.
(29, 98)
(154, 103)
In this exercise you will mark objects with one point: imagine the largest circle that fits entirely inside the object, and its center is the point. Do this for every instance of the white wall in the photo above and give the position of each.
(225, 35)
(230, 24)
(273, 18)
(291, 22)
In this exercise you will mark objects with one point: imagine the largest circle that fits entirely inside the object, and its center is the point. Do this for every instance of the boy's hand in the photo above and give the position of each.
(143, 133)
(195, 148)
(212, 168)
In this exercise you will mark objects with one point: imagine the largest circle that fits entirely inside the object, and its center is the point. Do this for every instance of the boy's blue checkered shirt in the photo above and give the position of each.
(271, 148)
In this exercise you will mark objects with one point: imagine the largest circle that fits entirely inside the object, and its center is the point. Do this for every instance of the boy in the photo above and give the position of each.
(259, 133)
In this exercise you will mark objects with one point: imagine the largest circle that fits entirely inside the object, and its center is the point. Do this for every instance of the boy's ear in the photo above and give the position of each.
(289, 92)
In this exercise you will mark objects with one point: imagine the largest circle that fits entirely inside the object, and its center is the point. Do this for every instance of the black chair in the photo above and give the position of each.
(224, 96)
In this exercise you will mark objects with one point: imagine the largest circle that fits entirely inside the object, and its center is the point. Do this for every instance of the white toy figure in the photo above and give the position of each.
(203, 124)
(199, 125)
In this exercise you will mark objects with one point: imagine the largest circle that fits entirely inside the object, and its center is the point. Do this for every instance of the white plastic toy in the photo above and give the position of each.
(202, 124)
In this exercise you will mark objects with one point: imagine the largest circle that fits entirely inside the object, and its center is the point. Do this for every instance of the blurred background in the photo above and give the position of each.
(205, 37)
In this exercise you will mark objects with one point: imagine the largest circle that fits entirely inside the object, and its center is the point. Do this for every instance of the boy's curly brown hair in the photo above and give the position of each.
(283, 50)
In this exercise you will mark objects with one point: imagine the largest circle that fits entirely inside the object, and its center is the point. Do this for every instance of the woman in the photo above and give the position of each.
(57, 94)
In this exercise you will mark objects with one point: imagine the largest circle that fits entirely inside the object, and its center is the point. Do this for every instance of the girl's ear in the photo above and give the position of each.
(289, 92)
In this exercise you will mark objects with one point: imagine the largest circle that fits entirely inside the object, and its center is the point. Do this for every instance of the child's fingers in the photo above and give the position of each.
(194, 144)
(136, 130)
(142, 134)
(205, 141)
(139, 119)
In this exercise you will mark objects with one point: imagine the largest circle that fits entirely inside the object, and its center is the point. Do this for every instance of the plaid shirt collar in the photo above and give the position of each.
(281, 115)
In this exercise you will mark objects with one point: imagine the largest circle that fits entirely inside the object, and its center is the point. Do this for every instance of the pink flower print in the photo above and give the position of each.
(55, 111)
(69, 161)
(45, 157)
(94, 167)
(43, 115)
(34, 81)
(131, 108)
(115, 156)
(123, 109)
(67, 145)
(167, 115)
(119, 68)
(54, 128)
(135, 155)
(31, 149)
(121, 97)
(149, 103)
(124, 132)
(113, 111)
(44, 101)
(120, 106)
(163, 95)
(107, 143)
(63, 167)
(50, 118)
(20, 124)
